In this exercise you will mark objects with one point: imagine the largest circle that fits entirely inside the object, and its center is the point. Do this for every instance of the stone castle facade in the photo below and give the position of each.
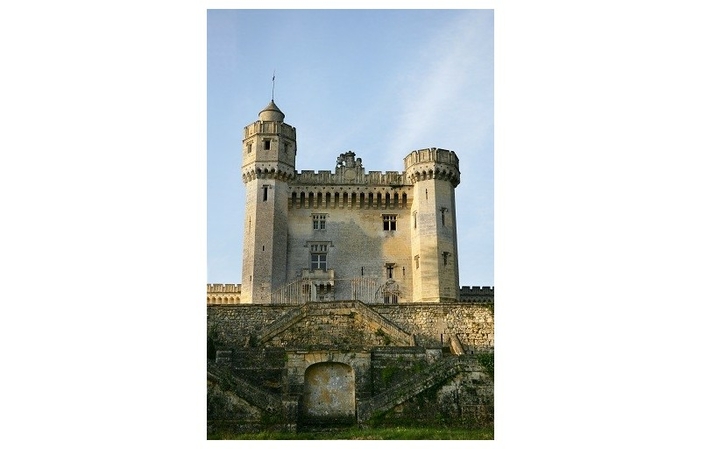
(349, 311)
(377, 237)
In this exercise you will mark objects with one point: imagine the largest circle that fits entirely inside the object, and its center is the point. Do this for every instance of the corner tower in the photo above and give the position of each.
(269, 150)
(434, 174)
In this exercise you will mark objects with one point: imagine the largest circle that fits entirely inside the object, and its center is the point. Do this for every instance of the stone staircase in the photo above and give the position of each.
(372, 319)
(433, 375)
(243, 389)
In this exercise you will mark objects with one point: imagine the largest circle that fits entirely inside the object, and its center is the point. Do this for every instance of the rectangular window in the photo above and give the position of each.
(319, 262)
(416, 259)
(249, 147)
(415, 220)
(319, 222)
(389, 222)
(265, 193)
(443, 211)
(266, 144)
(445, 258)
(318, 252)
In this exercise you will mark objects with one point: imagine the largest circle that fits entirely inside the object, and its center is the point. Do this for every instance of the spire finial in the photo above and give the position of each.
(273, 95)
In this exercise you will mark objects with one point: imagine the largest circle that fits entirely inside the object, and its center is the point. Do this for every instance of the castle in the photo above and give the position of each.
(372, 236)
(349, 311)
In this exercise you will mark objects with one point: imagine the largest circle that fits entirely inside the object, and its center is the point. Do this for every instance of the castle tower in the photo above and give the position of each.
(434, 174)
(269, 149)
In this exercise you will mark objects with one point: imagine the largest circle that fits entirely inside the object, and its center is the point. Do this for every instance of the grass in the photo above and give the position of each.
(395, 433)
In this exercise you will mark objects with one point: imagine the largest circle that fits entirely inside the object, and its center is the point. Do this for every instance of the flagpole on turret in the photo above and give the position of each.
(273, 93)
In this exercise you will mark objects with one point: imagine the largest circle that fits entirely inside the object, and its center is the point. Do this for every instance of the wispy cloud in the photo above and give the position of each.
(436, 93)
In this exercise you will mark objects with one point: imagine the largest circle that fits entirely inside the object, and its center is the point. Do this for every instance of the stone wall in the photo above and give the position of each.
(393, 365)
(342, 325)
(264, 368)
(347, 363)
(431, 324)
(466, 400)
(233, 325)
(231, 293)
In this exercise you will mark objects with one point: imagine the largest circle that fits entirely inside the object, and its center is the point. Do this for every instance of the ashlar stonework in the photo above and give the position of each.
(349, 311)
(345, 233)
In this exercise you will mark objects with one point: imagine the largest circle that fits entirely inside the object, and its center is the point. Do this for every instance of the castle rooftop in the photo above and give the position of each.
(271, 113)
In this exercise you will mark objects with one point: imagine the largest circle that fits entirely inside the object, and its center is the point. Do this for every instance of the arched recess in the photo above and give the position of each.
(329, 393)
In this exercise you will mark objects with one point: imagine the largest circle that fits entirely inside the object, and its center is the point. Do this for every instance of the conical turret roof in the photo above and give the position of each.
(271, 113)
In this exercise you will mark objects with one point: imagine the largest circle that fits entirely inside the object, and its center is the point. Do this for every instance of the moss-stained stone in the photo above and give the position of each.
(401, 359)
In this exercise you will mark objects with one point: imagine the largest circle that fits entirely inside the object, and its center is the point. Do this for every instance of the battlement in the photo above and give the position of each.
(223, 294)
(431, 155)
(478, 290)
(223, 288)
(354, 177)
(432, 163)
(279, 128)
(476, 294)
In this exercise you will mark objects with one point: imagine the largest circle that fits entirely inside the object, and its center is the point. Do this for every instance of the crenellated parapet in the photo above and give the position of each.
(277, 128)
(223, 288)
(351, 177)
(223, 294)
(349, 186)
(432, 163)
(350, 171)
(477, 294)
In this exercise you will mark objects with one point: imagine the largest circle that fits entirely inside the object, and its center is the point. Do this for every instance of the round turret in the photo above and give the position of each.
(432, 163)
(271, 113)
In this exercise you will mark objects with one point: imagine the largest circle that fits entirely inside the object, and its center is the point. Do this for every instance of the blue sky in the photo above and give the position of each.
(378, 82)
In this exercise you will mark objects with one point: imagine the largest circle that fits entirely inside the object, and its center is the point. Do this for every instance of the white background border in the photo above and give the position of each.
(103, 172)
